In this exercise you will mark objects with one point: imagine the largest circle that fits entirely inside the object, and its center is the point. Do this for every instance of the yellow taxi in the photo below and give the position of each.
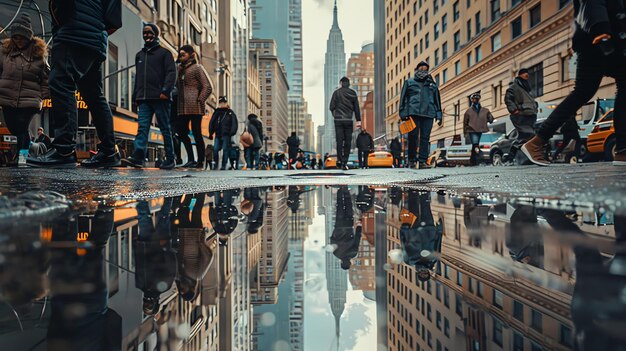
(380, 159)
(601, 140)
(331, 162)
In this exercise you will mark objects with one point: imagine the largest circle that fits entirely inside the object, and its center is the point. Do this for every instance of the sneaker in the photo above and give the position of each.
(168, 164)
(133, 162)
(535, 150)
(54, 159)
(102, 160)
(620, 158)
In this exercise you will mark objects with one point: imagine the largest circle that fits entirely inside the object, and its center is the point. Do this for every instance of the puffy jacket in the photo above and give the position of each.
(344, 103)
(255, 127)
(476, 122)
(293, 142)
(420, 98)
(156, 73)
(519, 98)
(223, 123)
(364, 141)
(23, 75)
(79, 22)
(193, 89)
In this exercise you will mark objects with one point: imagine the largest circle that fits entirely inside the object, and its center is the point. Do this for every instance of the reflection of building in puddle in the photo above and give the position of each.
(480, 299)
(363, 270)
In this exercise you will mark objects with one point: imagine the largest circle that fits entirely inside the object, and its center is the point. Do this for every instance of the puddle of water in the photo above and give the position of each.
(314, 268)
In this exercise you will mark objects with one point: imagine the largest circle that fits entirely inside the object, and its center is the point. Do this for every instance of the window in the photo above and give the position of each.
(469, 64)
(516, 27)
(495, 10)
(536, 79)
(446, 327)
(436, 57)
(457, 40)
(436, 30)
(426, 39)
(415, 51)
(459, 278)
(444, 23)
(535, 15)
(446, 296)
(438, 321)
(518, 342)
(457, 71)
(470, 281)
(445, 75)
(498, 298)
(478, 53)
(536, 320)
(496, 41)
(429, 312)
(518, 310)
(426, 17)
(563, 3)
(446, 271)
(438, 290)
(468, 3)
(435, 6)
(469, 30)
(415, 29)
(437, 79)
(459, 305)
(566, 335)
(478, 24)
(515, 3)
(455, 11)
(497, 332)
(479, 284)
(535, 347)
(444, 51)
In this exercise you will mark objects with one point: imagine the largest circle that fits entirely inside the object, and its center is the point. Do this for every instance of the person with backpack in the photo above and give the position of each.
(223, 127)
(600, 44)
(155, 80)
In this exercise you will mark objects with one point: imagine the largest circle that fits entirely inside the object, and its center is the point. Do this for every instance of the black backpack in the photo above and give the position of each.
(112, 10)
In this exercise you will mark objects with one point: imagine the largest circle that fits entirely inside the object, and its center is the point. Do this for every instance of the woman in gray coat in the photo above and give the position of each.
(420, 101)
(23, 78)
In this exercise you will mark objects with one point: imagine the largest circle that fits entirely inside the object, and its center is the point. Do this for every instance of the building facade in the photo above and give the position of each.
(254, 81)
(274, 88)
(360, 71)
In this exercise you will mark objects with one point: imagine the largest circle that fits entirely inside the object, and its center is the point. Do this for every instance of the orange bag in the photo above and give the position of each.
(407, 126)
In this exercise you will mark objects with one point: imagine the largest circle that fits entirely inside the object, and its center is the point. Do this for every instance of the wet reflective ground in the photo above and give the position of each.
(314, 268)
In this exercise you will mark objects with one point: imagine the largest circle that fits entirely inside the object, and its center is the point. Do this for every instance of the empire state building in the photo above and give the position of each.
(334, 69)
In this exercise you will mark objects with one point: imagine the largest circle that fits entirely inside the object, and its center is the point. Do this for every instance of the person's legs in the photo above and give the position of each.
(475, 141)
(17, 120)
(413, 137)
(174, 126)
(360, 153)
(226, 151)
(425, 126)
(247, 154)
(162, 111)
(196, 128)
(217, 147)
(144, 117)
(256, 152)
(182, 130)
(347, 137)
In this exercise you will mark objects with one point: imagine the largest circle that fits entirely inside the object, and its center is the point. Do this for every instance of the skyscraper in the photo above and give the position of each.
(334, 69)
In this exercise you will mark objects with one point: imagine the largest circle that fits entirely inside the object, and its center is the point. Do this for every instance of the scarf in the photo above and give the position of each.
(476, 106)
(524, 84)
(151, 45)
(421, 75)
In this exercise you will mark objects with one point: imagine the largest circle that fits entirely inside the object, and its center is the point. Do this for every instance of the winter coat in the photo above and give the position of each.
(23, 75)
(420, 98)
(224, 218)
(347, 240)
(79, 22)
(223, 123)
(415, 239)
(255, 127)
(476, 122)
(344, 103)
(519, 98)
(156, 74)
(596, 17)
(193, 89)
(293, 142)
(396, 147)
(364, 142)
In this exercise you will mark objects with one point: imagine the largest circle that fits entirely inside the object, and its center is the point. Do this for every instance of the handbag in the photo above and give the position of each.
(246, 139)
(407, 126)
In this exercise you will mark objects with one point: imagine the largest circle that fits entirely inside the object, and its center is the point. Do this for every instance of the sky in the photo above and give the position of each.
(356, 20)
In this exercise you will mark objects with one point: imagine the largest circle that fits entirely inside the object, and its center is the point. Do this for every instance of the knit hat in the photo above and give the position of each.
(522, 71)
(154, 27)
(422, 63)
(22, 27)
(188, 49)
(223, 99)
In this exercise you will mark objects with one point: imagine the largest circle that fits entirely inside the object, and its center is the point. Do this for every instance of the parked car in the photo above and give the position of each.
(380, 159)
(331, 162)
(460, 154)
(502, 146)
(601, 140)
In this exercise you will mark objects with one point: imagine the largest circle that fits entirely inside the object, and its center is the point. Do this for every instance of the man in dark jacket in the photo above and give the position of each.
(343, 105)
(255, 128)
(223, 126)
(396, 152)
(156, 76)
(365, 146)
(523, 108)
(79, 48)
(420, 100)
(600, 44)
(344, 237)
(293, 145)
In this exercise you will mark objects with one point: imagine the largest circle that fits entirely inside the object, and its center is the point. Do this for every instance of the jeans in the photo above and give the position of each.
(223, 144)
(590, 69)
(397, 161)
(183, 134)
(420, 136)
(343, 133)
(474, 139)
(17, 120)
(174, 126)
(252, 157)
(363, 158)
(160, 108)
(74, 66)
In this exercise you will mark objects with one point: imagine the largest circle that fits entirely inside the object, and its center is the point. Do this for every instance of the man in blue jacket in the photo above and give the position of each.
(78, 50)
(156, 76)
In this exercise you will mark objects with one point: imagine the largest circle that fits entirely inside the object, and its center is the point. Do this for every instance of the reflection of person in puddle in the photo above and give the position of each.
(155, 259)
(253, 207)
(365, 199)
(194, 255)
(598, 305)
(345, 239)
(224, 216)
(419, 236)
(80, 318)
(523, 238)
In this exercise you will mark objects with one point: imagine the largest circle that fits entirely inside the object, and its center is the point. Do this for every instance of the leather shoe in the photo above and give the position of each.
(133, 162)
(54, 158)
(190, 164)
(103, 160)
(168, 164)
(535, 150)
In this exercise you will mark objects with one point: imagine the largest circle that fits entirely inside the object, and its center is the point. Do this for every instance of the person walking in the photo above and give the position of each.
(209, 157)
(396, 152)
(600, 43)
(255, 127)
(475, 123)
(79, 48)
(223, 127)
(346, 236)
(343, 105)
(365, 146)
(23, 79)
(420, 100)
(193, 91)
(156, 77)
(293, 145)
(523, 108)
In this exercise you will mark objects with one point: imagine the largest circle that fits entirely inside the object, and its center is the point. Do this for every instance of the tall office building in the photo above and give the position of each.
(334, 69)
(361, 74)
